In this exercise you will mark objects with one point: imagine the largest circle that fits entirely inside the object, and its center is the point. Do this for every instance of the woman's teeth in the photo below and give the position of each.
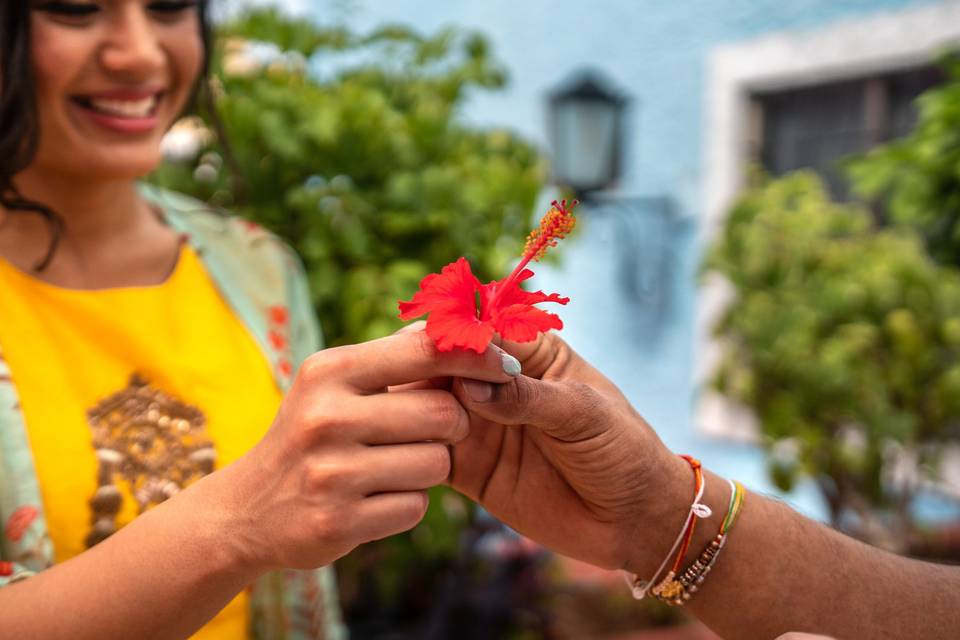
(125, 108)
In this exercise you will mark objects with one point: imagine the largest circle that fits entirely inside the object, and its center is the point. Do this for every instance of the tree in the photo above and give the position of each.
(844, 334)
(844, 340)
(916, 180)
(352, 149)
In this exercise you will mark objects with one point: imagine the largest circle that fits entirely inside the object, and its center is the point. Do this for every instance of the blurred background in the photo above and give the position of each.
(766, 262)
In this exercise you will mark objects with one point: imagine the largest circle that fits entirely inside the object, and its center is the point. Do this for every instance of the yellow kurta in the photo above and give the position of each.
(70, 350)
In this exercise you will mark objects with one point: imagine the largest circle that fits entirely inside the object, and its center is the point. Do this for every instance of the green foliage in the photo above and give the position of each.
(917, 179)
(351, 148)
(365, 168)
(843, 338)
(844, 335)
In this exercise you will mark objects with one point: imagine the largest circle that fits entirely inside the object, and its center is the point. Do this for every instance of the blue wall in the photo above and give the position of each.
(655, 50)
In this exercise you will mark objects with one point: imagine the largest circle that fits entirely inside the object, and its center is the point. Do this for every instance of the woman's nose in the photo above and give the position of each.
(133, 48)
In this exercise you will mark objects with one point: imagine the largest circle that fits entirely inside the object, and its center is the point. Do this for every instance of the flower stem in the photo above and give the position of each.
(554, 226)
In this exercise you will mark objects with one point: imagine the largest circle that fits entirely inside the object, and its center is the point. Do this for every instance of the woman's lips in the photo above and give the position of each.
(122, 111)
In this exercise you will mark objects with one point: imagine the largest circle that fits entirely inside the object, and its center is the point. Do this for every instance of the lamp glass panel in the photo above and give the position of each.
(584, 133)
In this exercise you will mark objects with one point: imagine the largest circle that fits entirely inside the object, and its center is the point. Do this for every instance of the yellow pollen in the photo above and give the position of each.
(555, 225)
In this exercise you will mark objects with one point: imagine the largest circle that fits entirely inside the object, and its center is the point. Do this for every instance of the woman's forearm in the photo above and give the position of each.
(162, 576)
(342, 464)
(780, 572)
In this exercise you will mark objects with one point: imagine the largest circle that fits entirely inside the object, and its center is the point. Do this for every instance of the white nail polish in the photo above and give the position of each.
(511, 366)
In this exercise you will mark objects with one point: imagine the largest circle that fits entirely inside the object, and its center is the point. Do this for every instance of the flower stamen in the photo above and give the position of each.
(555, 225)
(464, 313)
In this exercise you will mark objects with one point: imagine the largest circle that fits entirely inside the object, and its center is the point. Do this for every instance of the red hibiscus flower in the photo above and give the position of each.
(18, 522)
(464, 313)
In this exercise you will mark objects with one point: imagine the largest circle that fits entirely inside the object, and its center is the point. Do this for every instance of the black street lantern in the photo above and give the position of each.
(586, 121)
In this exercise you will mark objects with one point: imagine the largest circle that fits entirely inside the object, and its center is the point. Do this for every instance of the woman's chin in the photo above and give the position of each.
(117, 166)
(134, 170)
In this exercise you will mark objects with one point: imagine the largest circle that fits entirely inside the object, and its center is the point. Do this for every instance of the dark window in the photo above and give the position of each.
(817, 127)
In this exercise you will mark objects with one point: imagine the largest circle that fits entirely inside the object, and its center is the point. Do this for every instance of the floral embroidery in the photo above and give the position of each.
(279, 315)
(278, 335)
(277, 341)
(20, 521)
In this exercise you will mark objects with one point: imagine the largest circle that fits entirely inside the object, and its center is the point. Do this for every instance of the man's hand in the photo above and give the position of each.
(560, 455)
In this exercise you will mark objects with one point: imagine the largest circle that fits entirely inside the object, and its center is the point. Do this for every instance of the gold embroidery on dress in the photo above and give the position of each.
(150, 439)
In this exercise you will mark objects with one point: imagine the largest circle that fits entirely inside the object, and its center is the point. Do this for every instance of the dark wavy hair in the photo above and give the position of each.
(19, 125)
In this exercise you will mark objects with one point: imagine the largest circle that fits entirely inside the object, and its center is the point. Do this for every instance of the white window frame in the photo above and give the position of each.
(852, 48)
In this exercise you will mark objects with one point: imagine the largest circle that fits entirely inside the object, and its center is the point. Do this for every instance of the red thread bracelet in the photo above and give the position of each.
(688, 535)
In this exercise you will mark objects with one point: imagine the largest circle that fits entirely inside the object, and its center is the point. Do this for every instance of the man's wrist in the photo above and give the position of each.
(661, 521)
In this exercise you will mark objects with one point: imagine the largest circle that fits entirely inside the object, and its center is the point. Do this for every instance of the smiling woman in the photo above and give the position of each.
(161, 448)
(110, 80)
(57, 40)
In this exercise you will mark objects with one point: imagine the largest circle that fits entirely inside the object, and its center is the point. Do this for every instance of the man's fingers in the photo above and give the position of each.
(404, 358)
(566, 411)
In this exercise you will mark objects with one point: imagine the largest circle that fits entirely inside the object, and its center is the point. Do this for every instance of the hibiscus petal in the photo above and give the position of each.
(450, 300)
(450, 329)
(514, 294)
(522, 323)
(510, 309)
(535, 297)
(455, 284)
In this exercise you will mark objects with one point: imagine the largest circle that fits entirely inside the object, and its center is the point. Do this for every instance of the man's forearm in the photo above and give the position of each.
(780, 572)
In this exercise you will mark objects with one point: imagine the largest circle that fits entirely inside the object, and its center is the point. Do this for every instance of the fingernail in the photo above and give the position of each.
(511, 366)
(478, 391)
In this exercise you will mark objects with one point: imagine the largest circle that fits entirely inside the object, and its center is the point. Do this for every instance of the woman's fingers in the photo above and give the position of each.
(408, 467)
(404, 358)
(419, 325)
(402, 417)
(387, 514)
(366, 471)
(414, 416)
(536, 356)
(433, 383)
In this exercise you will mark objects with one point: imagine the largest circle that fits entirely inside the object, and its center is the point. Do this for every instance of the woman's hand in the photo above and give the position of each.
(345, 462)
(560, 455)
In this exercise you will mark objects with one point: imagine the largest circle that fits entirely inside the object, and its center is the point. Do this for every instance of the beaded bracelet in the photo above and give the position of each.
(668, 579)
(679, 591)
(640, 588)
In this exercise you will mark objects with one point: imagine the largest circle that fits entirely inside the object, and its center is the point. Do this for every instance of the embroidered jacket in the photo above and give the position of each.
(263, 282)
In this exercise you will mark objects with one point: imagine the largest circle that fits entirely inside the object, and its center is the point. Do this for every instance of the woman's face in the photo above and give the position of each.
(111, 77)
